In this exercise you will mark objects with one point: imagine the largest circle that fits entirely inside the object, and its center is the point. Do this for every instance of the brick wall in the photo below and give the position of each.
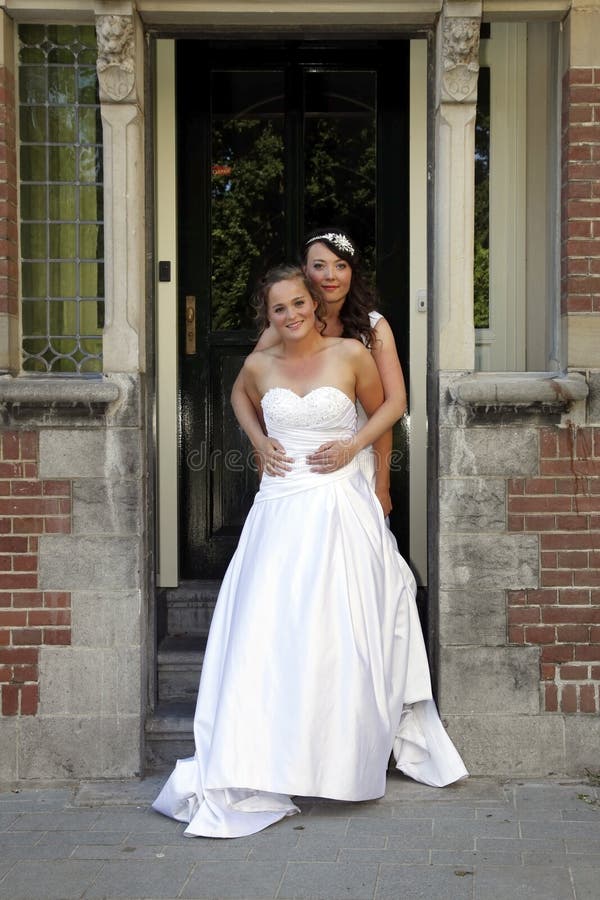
(29, 617)
(581, 192)
(562, 616)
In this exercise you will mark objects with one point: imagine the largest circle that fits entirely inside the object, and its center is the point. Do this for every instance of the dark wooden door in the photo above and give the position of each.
(274, 139)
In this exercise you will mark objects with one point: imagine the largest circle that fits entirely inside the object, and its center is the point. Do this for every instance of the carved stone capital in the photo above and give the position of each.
(116, 56)
(460, 58)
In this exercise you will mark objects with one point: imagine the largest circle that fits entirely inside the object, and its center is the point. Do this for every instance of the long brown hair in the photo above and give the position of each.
(360, 300)
(284, 272)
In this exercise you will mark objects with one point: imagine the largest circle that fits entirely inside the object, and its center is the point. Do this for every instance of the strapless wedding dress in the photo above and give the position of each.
(315, 668)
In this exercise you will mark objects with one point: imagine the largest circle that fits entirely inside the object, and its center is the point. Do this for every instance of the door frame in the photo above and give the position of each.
(166, 347)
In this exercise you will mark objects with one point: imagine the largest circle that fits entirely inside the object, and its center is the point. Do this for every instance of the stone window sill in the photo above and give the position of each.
(519, 390)
(39, 392)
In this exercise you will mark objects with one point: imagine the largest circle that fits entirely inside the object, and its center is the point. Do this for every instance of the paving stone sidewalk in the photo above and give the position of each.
(482, 840)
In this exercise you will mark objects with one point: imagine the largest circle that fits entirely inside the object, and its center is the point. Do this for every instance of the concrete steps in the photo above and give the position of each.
(184, 616)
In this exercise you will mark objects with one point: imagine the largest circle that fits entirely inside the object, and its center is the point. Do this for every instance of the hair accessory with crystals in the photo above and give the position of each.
(338, 240)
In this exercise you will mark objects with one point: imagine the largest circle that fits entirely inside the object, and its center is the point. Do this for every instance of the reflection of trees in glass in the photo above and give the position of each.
(481, 274)
(340, 185)
(247, 214)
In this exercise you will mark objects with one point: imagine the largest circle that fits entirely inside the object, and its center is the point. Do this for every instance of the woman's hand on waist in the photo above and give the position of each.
(333, 455)
(272, 456)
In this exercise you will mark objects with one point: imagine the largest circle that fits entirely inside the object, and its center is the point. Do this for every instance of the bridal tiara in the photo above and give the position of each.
(338, 240)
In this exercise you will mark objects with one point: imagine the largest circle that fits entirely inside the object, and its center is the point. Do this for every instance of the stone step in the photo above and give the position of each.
(179, 662)
(188, 609)
(169, 734)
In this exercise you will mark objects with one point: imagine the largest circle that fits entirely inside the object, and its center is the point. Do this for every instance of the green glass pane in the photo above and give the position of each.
(61, 34)
(33, 241)
(61, 365)
(88, 57)
(61, 85)
(93, 346)
(91, 241)
(92, 365)
(33, 278)
(89, 318)
(90, 204)
(62, 201)
(61, 124)
(87, 85)
(61, 163)
(62, 241)
(91, 279)
(87, 35)
(33, 365)
(90, 126)
(31, 55)
(32, 85)
(90, 164)
(34, 317)
(33, 201)
(62, 345)
(32, 34)
(33, 124)
(33, 163)
(61, 55)
(63, 318)
(63, 279)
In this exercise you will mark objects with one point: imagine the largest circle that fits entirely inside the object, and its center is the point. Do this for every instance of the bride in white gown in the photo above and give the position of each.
(315, 668)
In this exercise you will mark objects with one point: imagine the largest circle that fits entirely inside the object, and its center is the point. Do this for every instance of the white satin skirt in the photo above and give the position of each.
(315, 668)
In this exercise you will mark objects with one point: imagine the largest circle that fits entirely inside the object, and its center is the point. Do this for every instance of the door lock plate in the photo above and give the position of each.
(190, 325)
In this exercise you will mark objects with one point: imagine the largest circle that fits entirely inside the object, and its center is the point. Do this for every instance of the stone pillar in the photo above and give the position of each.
(457, 68)
(9, 244)
(120, 73)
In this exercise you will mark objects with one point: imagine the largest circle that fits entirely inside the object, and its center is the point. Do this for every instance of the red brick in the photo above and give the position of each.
(515, 485)
(540, 634)
(539, 523)
(29, 445)
(49, 617)
(589, 577)
(28, 526)
(571, 615)
(23, 674)
(25, 563)
(57, 599)
(566, 634)
(515, 523)
(57, 636)
(10, 445)
(583, 134)
(516, 634)
(588, 653)
(571, 523)
(10, 700)
(13, 545)
(579, 265)
(16, 580)
(551, 698)
(582, 190)
(539, 504)
(547, 671)
(556, 578)
(29, 699)
(568, 541)
(595, 634)
(568, 698)
(579, 75)
(523, 615)
(26, 637)
(57, 488)
(57, 525)
(28, 599)
(12, 618)
(516, 598)
(26, 488)
(539, 486)
(587, 504)
(574, 595)
(596, 673)
(549, 559)
(543, 597)
(11, 470)
(548, 443)
(587, 698)
(580, 303)
(18, 655)
(573, 559)
(573, 673)
(584, 93)
(5, 564)
(30, 506)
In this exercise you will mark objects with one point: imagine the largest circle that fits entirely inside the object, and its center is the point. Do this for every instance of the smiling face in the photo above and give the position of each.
(291, 309)
(330, 273)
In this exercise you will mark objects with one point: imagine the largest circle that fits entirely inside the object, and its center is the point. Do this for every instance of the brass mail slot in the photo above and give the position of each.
(190, 325)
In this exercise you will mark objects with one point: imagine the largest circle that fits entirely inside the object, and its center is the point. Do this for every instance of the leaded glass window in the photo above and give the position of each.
(62, 237)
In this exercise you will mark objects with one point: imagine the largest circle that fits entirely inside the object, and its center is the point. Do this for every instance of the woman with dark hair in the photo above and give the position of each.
(315, 668)
(331, 260)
